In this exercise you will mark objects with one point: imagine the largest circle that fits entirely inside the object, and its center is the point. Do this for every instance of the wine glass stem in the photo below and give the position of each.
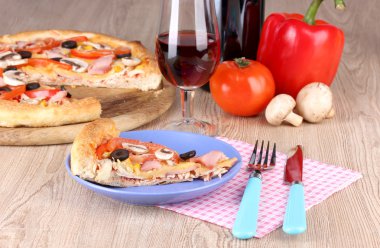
(187, 100)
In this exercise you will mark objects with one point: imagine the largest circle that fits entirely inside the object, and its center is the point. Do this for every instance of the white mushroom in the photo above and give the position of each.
(78, 65)
(131, 61)
(97, 46)
(315, 102)
(9, 55)
(14, 78)
(164, 154)
(280, 109)
(136, 149)
(3, 64)
(10, 59)
(16, 62)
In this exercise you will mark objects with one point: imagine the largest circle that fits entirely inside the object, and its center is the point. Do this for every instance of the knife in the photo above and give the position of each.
(295, 214)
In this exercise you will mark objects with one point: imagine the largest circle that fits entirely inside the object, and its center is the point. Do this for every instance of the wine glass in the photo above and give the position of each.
(188, 51)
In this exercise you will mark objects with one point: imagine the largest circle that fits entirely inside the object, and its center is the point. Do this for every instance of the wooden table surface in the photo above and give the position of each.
(41, 206)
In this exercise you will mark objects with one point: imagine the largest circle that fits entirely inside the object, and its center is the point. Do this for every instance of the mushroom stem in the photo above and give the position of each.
(294, 119)
(331, 113)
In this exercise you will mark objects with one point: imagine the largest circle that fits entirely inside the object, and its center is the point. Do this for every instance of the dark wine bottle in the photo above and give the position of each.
(253, 21)
(232, 31)
(240, 23)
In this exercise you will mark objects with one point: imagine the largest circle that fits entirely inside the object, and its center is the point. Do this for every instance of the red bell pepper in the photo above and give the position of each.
(299, 50)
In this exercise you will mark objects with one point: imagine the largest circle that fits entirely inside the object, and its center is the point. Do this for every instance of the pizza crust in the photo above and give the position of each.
(85, 164)
(83, 151)
(15, 114)
(151, 79)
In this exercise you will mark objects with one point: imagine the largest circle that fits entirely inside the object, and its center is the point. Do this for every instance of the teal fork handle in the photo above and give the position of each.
(295, 215)
(246, 219)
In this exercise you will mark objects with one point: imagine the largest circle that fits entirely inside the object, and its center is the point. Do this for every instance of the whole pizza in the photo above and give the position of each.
(35, 66)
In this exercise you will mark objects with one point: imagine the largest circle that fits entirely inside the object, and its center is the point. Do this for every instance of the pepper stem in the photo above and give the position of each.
(242, 62)
(312, 12)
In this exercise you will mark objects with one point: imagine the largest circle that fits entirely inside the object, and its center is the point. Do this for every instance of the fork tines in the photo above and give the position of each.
(259, 165)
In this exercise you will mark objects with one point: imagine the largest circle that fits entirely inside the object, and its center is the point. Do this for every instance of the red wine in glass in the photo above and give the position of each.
(192, 64)
(188, 51)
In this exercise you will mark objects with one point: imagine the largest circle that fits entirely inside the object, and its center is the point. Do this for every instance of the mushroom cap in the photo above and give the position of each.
(314, 102)
(279, 108)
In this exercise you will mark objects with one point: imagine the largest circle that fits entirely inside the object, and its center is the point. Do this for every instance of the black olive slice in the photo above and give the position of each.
(70, 44)
(124, 55)
(5, 88)
(25, 54)
(10, 68)
(56, 59)
(188, 154)
(32, 86)
(119, 154)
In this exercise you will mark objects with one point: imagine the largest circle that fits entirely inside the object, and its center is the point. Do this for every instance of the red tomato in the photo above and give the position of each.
(94, 54)
(47, 93)
(101, 150)
(15, 92)
(42, 62)
(41, 45)
(3, 49)
(114, 144)
(242, 91)
(50, 43)
(122, 50)
(78, 38)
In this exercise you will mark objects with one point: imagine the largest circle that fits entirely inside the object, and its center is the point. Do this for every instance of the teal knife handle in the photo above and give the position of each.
(295, 215)
(246, 219)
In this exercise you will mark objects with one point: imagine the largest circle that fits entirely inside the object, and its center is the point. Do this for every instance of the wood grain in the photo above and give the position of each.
(41, 206)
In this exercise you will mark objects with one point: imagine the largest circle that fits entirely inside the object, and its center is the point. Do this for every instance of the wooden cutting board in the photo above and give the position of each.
(128, 108)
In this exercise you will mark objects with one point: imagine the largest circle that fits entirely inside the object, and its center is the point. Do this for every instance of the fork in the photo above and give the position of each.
(246, 219)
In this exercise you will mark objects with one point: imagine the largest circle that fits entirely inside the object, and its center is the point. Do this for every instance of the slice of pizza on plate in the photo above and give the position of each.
(98, 154)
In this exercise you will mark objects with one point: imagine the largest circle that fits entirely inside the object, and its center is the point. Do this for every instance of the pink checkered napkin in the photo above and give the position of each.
(220, 207)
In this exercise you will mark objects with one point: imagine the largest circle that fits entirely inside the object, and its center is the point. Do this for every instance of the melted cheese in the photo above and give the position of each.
(104, 171)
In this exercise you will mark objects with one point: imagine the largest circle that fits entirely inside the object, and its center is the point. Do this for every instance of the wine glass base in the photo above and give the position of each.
(192, 126)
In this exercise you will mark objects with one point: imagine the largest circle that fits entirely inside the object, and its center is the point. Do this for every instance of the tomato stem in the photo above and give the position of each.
(311, 13)
(340, 5)
(242, 62)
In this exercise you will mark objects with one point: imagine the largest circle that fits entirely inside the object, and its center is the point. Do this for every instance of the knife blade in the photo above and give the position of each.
(295, 214)
(294, 167)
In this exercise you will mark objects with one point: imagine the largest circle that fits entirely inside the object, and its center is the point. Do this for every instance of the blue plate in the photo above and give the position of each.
(169, 193)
